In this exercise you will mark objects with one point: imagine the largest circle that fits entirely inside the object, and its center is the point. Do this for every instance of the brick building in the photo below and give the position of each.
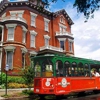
(27, 29)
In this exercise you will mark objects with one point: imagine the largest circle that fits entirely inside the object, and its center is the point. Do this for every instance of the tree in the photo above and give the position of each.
(88, 7)
(28, 76)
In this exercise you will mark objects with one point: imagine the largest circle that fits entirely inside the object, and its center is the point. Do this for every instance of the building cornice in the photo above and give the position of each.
(5, 5)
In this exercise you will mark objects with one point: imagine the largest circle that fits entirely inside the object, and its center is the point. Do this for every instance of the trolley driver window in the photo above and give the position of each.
(47, 68)
(37, 70)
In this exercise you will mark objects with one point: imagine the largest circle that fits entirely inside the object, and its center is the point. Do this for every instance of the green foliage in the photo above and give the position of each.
(28, 76)
(88, 7)
(28, 92)
(13, 79)
(3, 77)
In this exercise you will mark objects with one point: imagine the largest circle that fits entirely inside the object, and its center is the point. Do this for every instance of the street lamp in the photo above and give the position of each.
(6, 69)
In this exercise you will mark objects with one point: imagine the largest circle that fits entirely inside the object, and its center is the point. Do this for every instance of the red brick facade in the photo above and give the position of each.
(20, 39)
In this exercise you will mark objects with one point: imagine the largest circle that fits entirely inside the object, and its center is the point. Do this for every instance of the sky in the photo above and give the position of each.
(86, 35)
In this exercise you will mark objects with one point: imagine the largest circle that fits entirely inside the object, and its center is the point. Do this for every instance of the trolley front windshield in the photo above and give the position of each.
(43, 67)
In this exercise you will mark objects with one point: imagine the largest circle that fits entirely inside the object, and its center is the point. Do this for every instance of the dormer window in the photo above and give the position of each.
(46, 24)
(33, 19)
(62, 19)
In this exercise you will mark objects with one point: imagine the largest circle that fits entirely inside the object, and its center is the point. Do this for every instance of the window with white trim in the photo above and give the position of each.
(9, 55)
(33, 19)
(24, 51)
(62, 45)
(46, 24)
(10, 59)
(47, 38)
(46, 42)
(62, 19)
(23, 60)
(70, 45)
(32, 38)
(24, 34)
(11, 30)
(62, 28)
(10, 33)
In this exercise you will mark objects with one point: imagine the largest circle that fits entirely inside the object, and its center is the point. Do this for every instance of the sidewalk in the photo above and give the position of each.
(11, 92)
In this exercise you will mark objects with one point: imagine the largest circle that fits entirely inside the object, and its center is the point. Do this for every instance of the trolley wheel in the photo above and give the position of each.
(81, 94)
(59, 97)
(42, 97)
(96, 91)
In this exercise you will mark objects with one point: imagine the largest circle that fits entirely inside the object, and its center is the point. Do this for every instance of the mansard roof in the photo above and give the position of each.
(7, 5)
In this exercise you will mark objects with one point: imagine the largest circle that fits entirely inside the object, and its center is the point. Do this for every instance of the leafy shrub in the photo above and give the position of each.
(16, 85)
(28, 92)
(3, 76)
(15, 79)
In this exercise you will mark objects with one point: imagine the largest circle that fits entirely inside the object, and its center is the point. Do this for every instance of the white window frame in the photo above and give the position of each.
(12, 32)
(47, 38)
(70, 45)
(24, 51)
(62, 39)
(46, 24)
(24, 34)
(62, 28)
(9, 49)
(32, 38)
(62, 19)
(33, 19)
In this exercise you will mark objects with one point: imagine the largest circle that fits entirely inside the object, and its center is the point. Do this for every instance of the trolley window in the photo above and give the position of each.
(95, 70)
(47, 68)
(86, 70)
(80, 69)
(59, 68)
(37, 70)
(74, 69)
(67, 71)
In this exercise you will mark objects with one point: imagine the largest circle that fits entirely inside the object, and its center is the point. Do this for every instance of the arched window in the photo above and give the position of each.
(80, 69)
(86, 70)
(74, 69)
(67, 71)
(47, 68)
(59, 68)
